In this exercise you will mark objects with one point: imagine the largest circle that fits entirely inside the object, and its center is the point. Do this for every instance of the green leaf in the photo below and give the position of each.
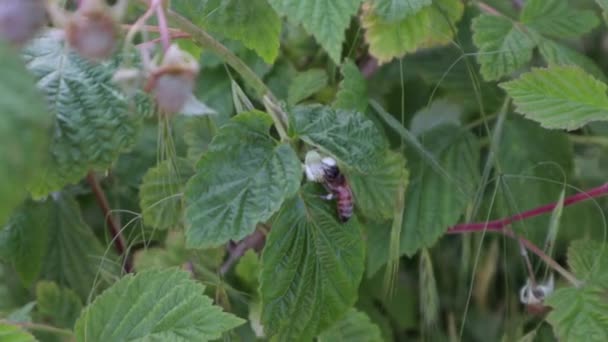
(432, 202)
(563, 97)
(24, 240)
(61, 306)
(556, 18)
(93, 122)
(248, 269)
(375, 191)
(352, 93)
(199, 130)
(347, 135)
(311, 268)
(161, 193)
(503, 46)
(604, 5)
(354, 327)
(589, 260)
(252, 22)
(579, 314)
(306, 84)
(24, 130)
(558, 54)
(326, 20)
(437, 113)
(241, 181)
(394, 10)
(154, 306)
(429, 27)
(13, 333)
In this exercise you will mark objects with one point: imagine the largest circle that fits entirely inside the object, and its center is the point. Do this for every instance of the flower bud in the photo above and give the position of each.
(92, 30)
(20, 20)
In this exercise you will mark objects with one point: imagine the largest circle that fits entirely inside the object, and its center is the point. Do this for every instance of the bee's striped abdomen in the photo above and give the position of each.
(345, 202)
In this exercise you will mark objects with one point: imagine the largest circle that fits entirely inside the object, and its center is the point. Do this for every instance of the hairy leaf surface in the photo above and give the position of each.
(311, 268)
(93, 121)
(24, 130)
(557, 18)
(62, 306)
(161, 193)
(558, 54)
(306, 84)
(241, 181)
(326, 20)
(252, 22)
(563, 97)
(352, 93)
(154, 306)
(347, 135)
(393, 10)
(354, 327)
(503, 46)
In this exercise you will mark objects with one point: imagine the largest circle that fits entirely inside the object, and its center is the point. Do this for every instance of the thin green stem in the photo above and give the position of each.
(40, 327)
(204, 39)
(589, 140)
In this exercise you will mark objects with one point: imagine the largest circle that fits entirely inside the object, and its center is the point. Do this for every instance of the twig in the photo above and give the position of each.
(497, 225)
(113, 227)
(235, 251)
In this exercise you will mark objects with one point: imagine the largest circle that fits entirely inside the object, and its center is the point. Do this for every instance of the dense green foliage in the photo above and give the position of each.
(467, 133)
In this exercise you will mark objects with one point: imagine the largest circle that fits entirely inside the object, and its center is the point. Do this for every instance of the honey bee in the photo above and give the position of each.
(326, 171)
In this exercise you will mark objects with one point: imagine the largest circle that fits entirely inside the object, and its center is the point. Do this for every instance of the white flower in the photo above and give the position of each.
(530, 295)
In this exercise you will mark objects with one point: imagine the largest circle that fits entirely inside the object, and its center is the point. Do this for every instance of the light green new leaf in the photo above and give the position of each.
(161, 193)
(432, 26)
(165, 305)
(248, 269)
(61, 306)
(375, 191)
(563, 97)
(347, 135)
(306, 84)
(432, 202)
(24, 240)
(24, 130)
(311, 268)
(503, 46)
(580, 314)
(558, 54)
(352, 93)
(557, 18)
(241, 181)
(13, 333)
(326, 20)
(394, 10)
(93, 122)
(252, 22)
(354, 327)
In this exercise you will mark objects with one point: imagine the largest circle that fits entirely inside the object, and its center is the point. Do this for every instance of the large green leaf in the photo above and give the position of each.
(61, 306)
(432, 202)
(311, 268)
(354, 327)
(24, 240)
(306, 84)
(557, 18)
(161, 193)
(93, 122)
(503, 46)
(24, 130)
(347, 135)
(241, 181)
(375, 191)
(563, 97)
(252, 22)
(162, 305)
(326, 20)
(558, 54)
(429, 27)
(13, 333)
(50, 240)
(352, 93)
(393, 10)
(581, 314)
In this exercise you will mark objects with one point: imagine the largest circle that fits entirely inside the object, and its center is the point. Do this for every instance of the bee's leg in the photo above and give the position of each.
(327, 197)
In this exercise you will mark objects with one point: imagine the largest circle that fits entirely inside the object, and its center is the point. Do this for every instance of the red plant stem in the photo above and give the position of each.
(113, 227)
(163, 26)
(498, 225)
